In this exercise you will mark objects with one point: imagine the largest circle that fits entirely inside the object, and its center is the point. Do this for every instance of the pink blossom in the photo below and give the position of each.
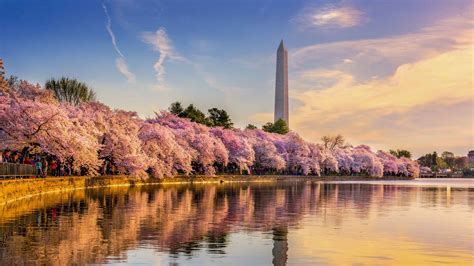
(90, 134)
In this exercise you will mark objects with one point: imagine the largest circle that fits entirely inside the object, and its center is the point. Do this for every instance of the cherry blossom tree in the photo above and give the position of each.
(344, 159)
(298, 154)
(207, 150)
(390, 165)
(239, 149)
(314, 158)
(366, 161)
(29, 118)
(166, 156)
(90, 135)
(266, 153)
(122, 145)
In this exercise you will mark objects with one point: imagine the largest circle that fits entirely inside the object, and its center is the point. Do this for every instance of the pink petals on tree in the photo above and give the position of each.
(91, 134)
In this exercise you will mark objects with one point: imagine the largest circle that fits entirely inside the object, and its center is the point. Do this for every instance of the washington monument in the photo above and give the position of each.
(281, 85)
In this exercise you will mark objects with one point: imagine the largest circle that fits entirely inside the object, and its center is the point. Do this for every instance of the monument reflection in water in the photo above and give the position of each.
(257, 224)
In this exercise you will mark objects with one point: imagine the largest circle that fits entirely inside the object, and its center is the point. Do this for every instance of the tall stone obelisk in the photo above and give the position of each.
(281, 85)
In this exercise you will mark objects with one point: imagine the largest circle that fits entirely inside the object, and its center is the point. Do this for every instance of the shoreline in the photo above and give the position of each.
(18, 189)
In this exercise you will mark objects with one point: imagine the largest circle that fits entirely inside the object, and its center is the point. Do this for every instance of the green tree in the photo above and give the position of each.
(401, 153)
(440, 163)
(250, 126)
(461, 162)
(70, 90)
(3, 82)
(434, 161)
(448, 158)
(176, 108)
(268, 127)
(195, 115)
(426, 160)
(219, 118)
(279, 127)
(13, 81)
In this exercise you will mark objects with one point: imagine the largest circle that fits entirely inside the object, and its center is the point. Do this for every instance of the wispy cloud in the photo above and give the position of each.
(161, 43)
(123, 68)
(330, 16)
(120, 61)
(108, 26)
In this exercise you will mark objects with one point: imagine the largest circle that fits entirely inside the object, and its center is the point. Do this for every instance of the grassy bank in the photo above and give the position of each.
(17, 189)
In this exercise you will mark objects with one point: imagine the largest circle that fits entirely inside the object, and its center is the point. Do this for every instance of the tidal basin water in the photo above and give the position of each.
(421, 222)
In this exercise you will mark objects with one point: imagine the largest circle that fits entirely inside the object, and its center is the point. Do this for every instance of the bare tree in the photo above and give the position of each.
(331, 142)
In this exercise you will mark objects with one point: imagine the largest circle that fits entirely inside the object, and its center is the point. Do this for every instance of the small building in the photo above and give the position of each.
(426, 172)
(470, 156)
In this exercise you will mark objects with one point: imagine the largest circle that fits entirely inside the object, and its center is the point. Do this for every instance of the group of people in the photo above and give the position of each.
(11, 157)
(44, 165)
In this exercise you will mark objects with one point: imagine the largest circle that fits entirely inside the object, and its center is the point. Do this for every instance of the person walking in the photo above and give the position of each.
(39, 168)
(6, 156)
(54, 167)
(16, 158)
(59, 168)
(45, 167)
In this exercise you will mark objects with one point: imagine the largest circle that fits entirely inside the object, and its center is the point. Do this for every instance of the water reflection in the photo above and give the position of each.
(291, 222)
(280, 245)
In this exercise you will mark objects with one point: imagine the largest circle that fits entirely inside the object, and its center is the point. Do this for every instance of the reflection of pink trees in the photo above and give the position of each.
(177, 219)
(92, 135)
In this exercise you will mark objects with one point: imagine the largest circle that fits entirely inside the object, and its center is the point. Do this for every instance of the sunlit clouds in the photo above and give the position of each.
(330, 16)
(413, 91)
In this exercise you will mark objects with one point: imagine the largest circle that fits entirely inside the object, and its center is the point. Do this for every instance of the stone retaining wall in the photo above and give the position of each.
(12, 190)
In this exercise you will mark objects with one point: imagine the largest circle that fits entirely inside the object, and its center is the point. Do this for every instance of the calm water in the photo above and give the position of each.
(345, 223)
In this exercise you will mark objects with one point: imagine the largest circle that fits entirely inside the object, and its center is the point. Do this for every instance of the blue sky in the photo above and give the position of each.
(222, 53)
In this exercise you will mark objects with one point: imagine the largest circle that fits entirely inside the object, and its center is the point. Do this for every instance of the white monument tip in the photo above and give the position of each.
(282, 45)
